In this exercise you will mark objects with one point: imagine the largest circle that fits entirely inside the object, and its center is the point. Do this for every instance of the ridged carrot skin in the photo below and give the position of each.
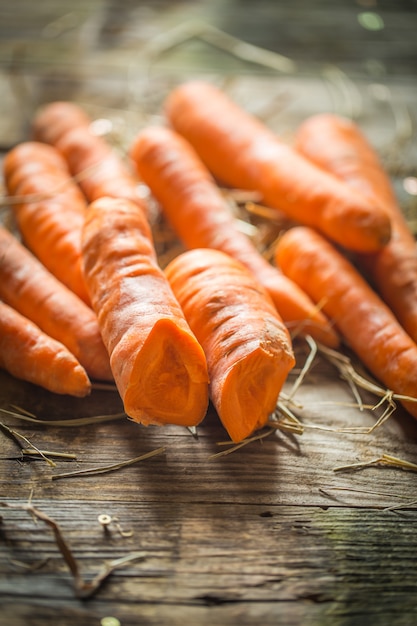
(363, 319)
(339, 146)
(29, 354)
(101, 169)
(51, 224)
(247, 346)
(198, 212)
(243, 153)
(158, 366)
(27, 286)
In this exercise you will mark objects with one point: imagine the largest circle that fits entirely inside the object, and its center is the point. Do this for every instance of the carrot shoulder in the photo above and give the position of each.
(158, 365)
(29, 354)
(27, 286)
(247, 347)
(101, 169)
(50, 210)
(242, 152)
(198, 212)
(365, 322)
(339, 146)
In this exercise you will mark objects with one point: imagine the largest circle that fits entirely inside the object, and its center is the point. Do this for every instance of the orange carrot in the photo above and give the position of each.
(29, 354)
(51, 212)
(363, 319)
(242, 152)
(200, 216)
(27, 286)
(247, 346)
(338, 145)
(158, 365)
(54, 119)
(101, 170)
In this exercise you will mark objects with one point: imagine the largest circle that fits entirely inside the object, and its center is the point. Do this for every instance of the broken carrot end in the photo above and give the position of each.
(168, 382)
(250, 392)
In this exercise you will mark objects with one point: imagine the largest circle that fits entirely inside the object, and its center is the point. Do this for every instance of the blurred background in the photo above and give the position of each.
(283, 60)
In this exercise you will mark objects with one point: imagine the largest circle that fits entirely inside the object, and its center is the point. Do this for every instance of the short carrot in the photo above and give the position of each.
(159, 367)
(27, 286)
(199, 214)
(339, 146)
(50, 210)
(247, 346)
(101, 169)
(242, 152)
(29, 354)
(363, 319)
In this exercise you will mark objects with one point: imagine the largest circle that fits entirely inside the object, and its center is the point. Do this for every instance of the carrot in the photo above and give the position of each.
(101, 170)
(199, 214)
(29, 354)
(247, 346)
(363, 319)
(159, 367)
(339, 146)
(55, 118)
(27, 286)
(242, 152)
(51, 212)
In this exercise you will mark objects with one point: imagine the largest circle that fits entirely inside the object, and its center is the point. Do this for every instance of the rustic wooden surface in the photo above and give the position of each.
(270, 533)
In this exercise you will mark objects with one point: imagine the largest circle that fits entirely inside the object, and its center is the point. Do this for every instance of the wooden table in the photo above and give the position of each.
(274, 532)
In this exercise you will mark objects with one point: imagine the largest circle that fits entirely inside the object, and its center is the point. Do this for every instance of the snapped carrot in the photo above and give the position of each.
(50, 210)
(242, 152)
(339, 146)
(199, 214)
(158, 366)
(29, 354)
(27, 286)
(363, 319)
(100, 168)
(247, 346)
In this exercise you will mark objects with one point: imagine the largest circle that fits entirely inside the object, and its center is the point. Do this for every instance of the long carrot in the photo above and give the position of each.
(158, 365)
(27, 286)
(339, 146)
(247, 347)
(200, 216)
(366, 323)
(244, 153)
(50, 210)
(29, 354)
(101, 170)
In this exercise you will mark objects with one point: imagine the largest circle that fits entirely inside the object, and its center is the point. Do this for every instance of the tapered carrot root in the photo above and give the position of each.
(338, 145)
(243, 153)
(27, 286)
(158, 365)
(247, 347)
(366, 323)
(101, 170)
(29, 354)
(51, 212)
(200, 216)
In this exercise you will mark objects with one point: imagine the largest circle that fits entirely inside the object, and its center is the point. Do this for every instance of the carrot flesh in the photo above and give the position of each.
(198, 212)
(247, 346)
(29, 354)
(159, 367)
(27, 286)
(100, 168)
(51, 212)
(363, 319)
(339, 146)
(243, 153)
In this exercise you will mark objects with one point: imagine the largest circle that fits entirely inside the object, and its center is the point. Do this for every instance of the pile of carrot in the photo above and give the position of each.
(84, 297)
